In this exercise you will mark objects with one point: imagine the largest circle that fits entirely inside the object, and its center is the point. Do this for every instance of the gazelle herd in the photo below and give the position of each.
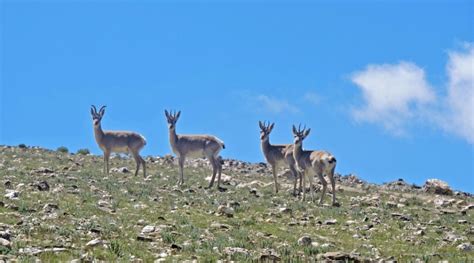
(303, 164)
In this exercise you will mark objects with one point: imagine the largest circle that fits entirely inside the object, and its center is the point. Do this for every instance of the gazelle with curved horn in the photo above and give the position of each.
(195, 146)
(117, 141)
(321, 163)
(277, 155)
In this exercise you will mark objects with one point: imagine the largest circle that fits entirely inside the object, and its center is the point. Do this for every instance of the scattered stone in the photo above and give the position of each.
(43, 170)
(216, 225)
(236, 250)
(304, 241)
(465, 247)
(330, 222)
(144, 238)
(94, 243)
(148, 229)
(436, 186)
(338, 256)
(402, 217)
(48, 208)
(225, 210)
(42, 186)
(285, 210)
(4, 242)
(11, 194)
(255, 192)
(120, 170)
(8, 184)
(269, 255)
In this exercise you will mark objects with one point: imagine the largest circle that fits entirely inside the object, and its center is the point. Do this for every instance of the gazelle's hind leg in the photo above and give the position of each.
(303, 174)
(219, 171)
(295, 175)
(333, 185)
(213, 162)
(325, 185)
(143, 166)
(274, 170)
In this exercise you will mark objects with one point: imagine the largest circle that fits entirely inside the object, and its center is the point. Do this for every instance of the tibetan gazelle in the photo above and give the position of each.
(195, 146)
(320, 163)
(277, 155)
(117, 141)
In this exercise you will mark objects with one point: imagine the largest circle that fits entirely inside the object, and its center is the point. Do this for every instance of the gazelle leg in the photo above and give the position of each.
(274, 169)
(304, 185)
(219, 171)
(325, 185)
(106, 162)
(213, 160)
(295, 175)
(137, 161)
(333, 185)
(181, 172)
(143, 165)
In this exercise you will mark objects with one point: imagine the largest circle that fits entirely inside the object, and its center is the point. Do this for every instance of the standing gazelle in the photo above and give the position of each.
(195, 146)
(277, 155)
(117, 141)
(320, 163)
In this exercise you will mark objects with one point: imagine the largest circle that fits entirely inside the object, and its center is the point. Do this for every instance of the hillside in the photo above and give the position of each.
(56, 206)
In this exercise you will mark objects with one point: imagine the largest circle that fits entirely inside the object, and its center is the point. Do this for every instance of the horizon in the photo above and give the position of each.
(385, 87)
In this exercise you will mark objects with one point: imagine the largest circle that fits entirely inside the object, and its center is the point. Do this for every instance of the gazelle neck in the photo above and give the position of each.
(98, 132)
(298, 150)
(173, 138)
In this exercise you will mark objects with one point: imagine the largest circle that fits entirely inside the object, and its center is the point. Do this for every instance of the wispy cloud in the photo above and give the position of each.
(395, 94)
(312, 98)
(275, 105)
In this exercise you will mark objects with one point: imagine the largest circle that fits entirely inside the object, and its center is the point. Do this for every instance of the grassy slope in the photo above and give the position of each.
(184, 216)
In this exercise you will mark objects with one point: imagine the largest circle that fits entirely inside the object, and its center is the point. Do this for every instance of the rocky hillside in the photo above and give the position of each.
(56, 206)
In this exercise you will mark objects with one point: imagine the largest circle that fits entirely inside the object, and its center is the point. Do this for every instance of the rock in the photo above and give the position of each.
(255, 192)
(330, 222)
(11, 194)
(285, 210)
(465, 247)
(224, 178)
(8, 184)
(225, 210)
(42, 186)
(236, 250)
(402, 217)
(48, 208)
(453, 238)
(144, 238)
(43, 170)
(120, 170)
(304, 241)
(338, 256)
(148, 229)
(94, 243)
(269, 255)
(436, 186)
(216, 225)
(4, 242)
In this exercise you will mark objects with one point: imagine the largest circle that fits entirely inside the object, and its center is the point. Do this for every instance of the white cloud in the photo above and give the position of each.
(396, 94)
(392, 93)
(312, 98)
(274, 105)
(459, 102)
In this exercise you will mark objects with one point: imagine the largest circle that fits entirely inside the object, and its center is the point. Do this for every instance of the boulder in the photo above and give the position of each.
(436, 186)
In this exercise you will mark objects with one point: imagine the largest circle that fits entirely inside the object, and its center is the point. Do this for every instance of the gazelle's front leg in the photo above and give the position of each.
(325, 185)
(303, 173)
(274, 170)
(181, 170)
(106, 162)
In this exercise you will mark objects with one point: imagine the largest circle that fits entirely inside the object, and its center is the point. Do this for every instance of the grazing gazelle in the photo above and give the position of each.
(195, 146)
(309, 163)
(117, 141)
(277, 155)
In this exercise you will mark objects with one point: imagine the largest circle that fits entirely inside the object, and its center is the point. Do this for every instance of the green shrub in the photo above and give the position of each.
(83, 151)
(22, 146)
(62, 149)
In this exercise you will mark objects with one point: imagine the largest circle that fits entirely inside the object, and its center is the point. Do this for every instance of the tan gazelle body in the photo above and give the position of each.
(117, 141)
(321, 163)
(194, 146)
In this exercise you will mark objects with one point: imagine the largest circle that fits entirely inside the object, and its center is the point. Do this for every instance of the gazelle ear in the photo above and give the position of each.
(271, 127)
(306, 132)
(295, 132)
(102, 111)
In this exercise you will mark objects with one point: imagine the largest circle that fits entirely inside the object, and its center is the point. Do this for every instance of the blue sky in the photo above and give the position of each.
(387, 87)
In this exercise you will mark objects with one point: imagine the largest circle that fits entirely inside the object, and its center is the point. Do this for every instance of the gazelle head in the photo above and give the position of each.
(265, 130)
(299, 134)
(172, 118)
(97, 117)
